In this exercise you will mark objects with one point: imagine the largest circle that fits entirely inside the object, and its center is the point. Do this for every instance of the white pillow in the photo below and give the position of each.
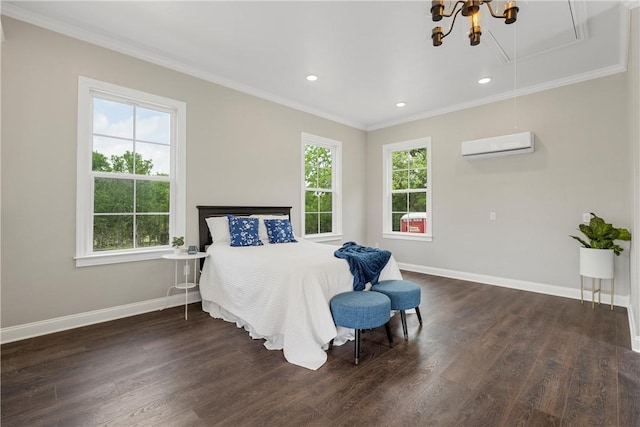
(262, 229)
(219, 228)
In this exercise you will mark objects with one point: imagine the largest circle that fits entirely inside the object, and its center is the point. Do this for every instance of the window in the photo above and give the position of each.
(407, 185)
(130, 198)
(321, 183)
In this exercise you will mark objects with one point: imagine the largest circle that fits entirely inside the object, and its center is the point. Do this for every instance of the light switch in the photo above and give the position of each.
(492, 216)
(586, 218)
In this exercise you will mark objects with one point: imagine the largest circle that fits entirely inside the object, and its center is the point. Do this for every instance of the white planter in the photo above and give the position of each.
(177, 251)
(597, 263)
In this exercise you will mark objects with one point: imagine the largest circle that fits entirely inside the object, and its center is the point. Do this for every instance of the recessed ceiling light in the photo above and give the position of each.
(400, 104)
(484, 80)
(312, 77)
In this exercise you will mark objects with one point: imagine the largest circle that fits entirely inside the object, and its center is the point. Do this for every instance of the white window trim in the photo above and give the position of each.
(84, 196)
(387, 166)
(336, 177)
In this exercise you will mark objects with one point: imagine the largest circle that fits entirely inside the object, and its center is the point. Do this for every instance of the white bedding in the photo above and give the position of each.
(281, 293)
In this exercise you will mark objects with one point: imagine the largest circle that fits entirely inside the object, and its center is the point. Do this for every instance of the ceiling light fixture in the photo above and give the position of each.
(470, 8)
(312, 77)
(400, 104)
(484, 80)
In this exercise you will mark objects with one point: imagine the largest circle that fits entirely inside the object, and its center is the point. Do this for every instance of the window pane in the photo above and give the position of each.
(400, 180)
(152, 196)
(326, 202)
(112, 118)
(111, 232)
(152, 230)
(113, 195)
(395, 220)
(323, 157)
(310, 176)
(108, 154)
(326, 223)
(418, 178)
(399, 202)
(317, 156)
(153, 126)
(418, 158)
(417, 202)
(310, 201)
(311, 223)
(400, 160)
(319, 177)
(152, 159)
(324, 178)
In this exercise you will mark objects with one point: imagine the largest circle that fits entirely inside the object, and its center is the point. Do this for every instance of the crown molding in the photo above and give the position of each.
(54, 25)
(578, 78)
(39, 20)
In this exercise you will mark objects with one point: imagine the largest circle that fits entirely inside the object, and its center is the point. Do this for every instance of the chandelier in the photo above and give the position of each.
(470, 8)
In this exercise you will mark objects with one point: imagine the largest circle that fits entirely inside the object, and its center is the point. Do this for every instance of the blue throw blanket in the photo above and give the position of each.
(365, 263)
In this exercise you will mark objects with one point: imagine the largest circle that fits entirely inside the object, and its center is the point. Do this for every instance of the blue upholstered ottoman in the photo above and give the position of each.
(404, 295)
(361, 310)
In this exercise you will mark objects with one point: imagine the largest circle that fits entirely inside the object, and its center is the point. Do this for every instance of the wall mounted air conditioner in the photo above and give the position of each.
(517, 143)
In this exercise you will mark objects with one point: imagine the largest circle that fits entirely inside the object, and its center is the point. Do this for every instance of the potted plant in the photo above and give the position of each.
(596, 256)
(176, 244)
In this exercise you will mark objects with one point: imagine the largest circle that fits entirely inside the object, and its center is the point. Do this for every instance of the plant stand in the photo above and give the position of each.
(597, 264)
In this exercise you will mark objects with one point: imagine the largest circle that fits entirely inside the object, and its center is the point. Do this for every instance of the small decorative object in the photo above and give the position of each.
(177, 243)
(192, 250)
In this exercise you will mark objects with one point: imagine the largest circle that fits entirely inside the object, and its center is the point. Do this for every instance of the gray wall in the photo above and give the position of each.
(240, 150)
(580, 165)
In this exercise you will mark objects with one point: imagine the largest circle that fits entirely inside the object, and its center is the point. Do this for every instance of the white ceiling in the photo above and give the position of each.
(368, 54)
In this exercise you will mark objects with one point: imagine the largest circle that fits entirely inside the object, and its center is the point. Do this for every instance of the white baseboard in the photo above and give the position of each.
(635, 334)
(541, 288)
(29, 330)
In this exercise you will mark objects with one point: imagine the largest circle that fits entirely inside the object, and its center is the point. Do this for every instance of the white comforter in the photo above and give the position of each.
(280, 293)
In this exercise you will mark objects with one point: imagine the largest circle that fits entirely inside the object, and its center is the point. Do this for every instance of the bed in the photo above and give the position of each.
(277, 292)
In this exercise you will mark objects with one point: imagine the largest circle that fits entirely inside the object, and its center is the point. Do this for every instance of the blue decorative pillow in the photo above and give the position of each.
(279, 231)
(244, 231)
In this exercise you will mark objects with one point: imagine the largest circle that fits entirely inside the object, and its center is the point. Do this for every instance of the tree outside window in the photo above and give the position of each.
(318, 198)
(321, 187)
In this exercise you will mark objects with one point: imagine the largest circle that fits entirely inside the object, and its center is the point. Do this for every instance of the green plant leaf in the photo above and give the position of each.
(587, 231)
(624, 234)
(585, 244)
(602, 235)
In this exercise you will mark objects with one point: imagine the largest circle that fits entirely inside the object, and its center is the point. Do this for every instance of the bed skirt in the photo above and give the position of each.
(274, 342)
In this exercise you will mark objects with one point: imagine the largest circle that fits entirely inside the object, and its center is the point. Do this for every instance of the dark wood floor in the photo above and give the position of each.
(485, 356)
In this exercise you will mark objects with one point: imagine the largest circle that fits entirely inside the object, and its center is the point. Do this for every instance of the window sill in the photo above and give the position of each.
(407, 236)
(120, 257)
(328, 237)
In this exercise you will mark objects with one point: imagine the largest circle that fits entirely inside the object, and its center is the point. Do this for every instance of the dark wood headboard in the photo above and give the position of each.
(205, 212)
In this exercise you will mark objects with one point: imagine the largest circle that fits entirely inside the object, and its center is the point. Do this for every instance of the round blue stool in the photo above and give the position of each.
(404, 295)
(361, 310)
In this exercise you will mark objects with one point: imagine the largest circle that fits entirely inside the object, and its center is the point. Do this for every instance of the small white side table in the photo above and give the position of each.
(186, 285)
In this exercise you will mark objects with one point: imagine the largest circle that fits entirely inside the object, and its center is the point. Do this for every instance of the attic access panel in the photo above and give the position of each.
(541, 26)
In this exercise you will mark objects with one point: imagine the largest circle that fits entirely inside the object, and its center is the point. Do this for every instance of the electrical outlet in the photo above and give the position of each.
(492, 216)
(187, 270)
(586, 218)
